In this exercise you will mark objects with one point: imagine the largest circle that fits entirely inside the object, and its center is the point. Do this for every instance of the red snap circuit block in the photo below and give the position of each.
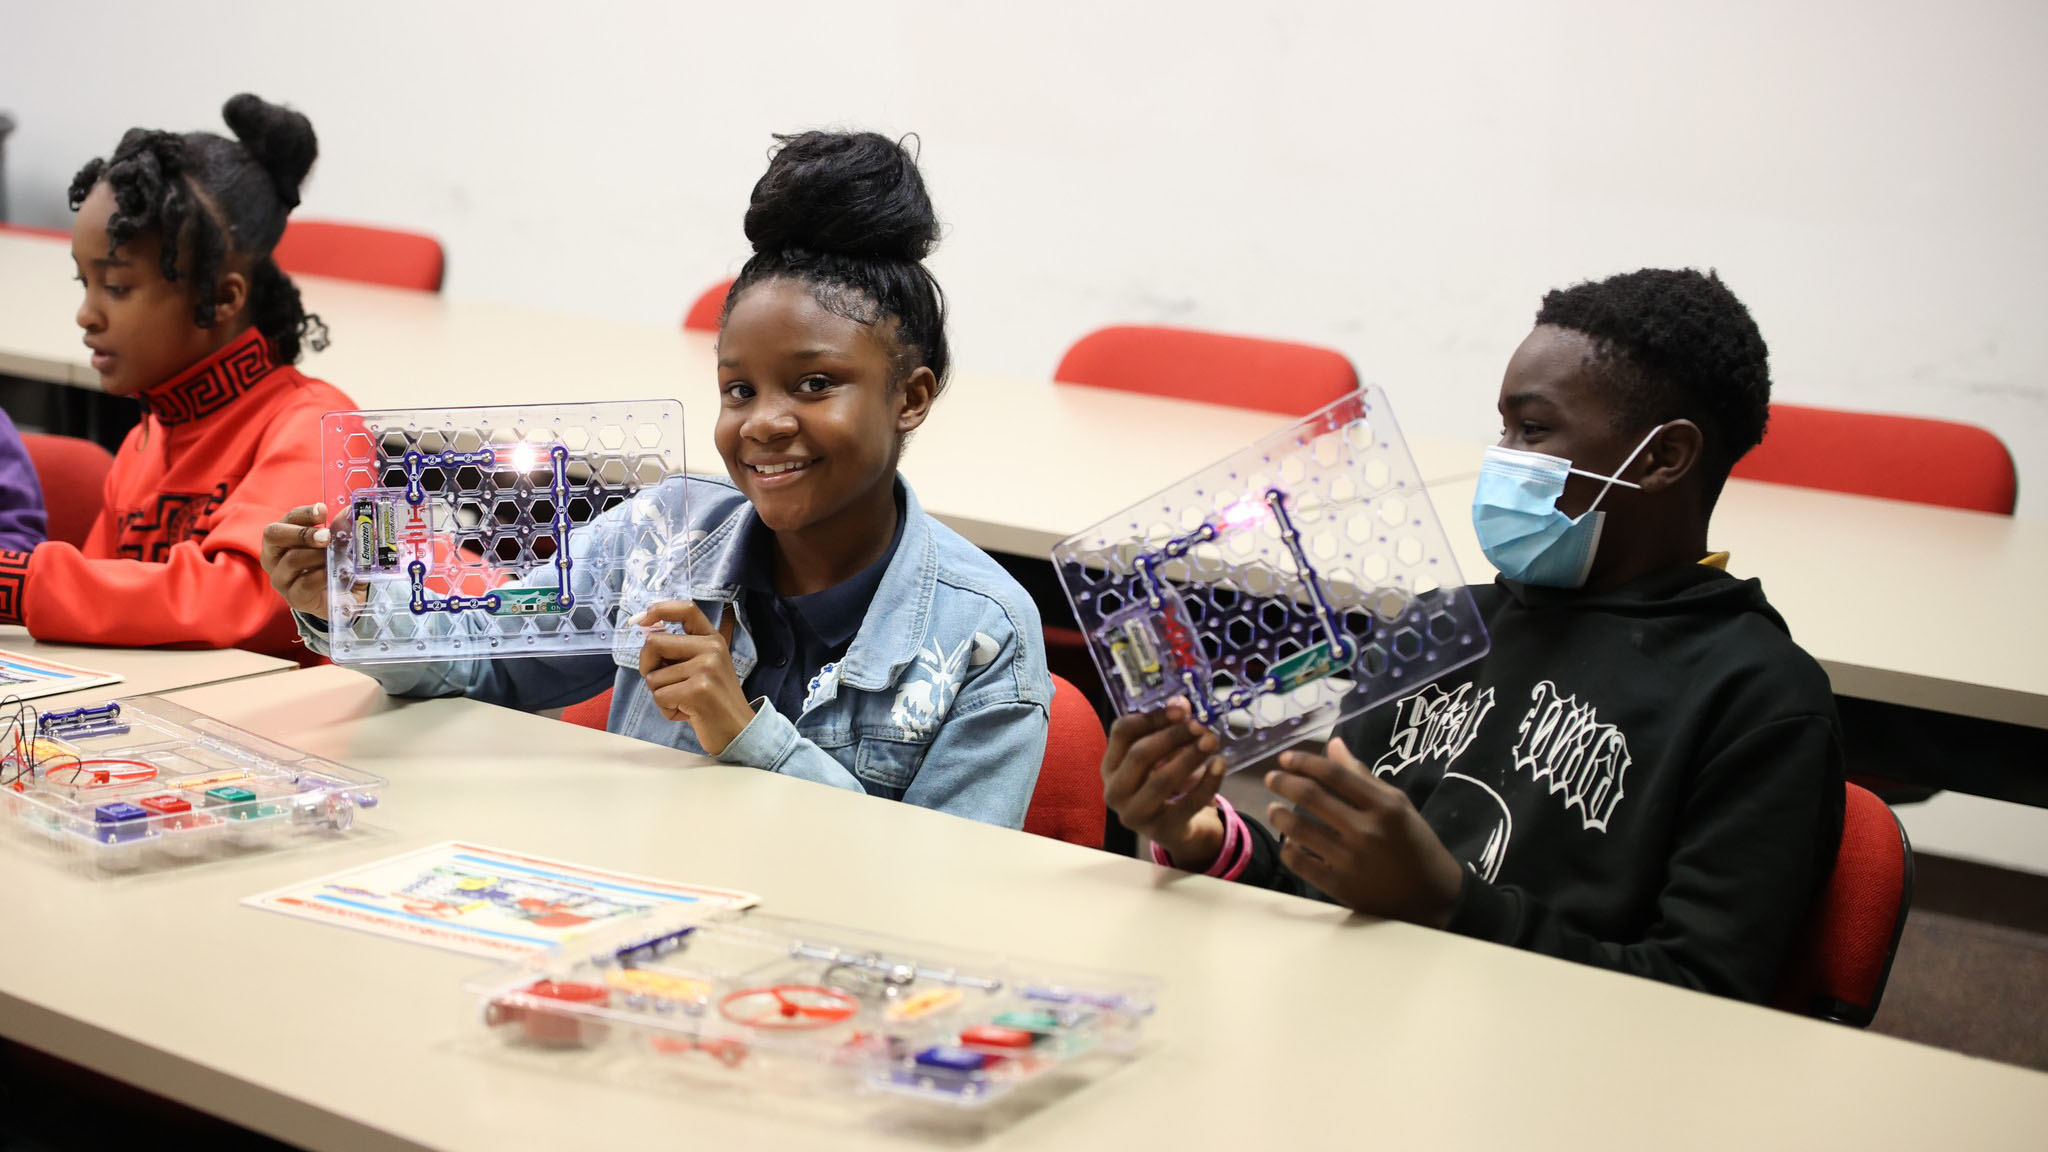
(996, 1036)
(573, 992)
(165, 805)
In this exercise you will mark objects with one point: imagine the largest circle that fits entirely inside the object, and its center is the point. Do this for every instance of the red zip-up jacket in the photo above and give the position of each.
(224, 449)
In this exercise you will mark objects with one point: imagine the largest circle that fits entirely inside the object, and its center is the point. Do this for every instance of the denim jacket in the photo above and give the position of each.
(941, 700)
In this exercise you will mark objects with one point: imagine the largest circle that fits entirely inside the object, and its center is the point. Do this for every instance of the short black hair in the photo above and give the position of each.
(846, 214)
(206, 197)
(1674, 344)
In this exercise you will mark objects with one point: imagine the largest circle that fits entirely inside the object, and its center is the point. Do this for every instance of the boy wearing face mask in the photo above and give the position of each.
(1645, 773)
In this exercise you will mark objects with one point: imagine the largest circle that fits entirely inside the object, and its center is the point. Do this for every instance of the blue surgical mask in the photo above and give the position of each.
(1514, 509)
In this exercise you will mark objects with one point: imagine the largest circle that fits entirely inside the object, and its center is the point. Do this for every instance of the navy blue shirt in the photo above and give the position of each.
(795, 636)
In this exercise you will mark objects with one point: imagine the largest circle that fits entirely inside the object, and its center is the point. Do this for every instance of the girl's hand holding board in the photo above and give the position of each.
(690, 673)
(295, 556)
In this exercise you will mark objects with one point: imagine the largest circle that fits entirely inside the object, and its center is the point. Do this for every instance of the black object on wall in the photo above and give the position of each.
(6, 126)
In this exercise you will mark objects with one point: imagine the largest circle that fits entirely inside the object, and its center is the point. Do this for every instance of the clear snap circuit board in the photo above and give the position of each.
(474, 533)
(1279, 591)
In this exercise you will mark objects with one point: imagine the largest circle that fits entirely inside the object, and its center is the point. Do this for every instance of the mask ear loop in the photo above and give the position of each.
(1616, 478)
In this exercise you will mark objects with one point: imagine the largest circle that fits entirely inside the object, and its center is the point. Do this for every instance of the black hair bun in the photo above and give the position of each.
(280, 140)
(853, 194)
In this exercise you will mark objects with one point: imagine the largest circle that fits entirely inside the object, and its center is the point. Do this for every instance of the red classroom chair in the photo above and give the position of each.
(591, 713)
(34, 230)
(73, 473)
(1067, 802)
(1243, 371)
(362, 252)
(1895, 457)
(1912, 458)
(703, 315)
(1838, 971)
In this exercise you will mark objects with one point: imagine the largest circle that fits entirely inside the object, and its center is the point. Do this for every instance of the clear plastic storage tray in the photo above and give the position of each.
(816, 1008)
(456, 530)
(144, 781)
(1281, 590)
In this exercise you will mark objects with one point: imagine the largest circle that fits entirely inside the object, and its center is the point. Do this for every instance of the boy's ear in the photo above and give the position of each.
(1672, 456)
(230, 296)
(915, 400)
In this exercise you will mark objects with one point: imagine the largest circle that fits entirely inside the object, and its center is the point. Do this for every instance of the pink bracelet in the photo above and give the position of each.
(1243, 836)
(1235, 854)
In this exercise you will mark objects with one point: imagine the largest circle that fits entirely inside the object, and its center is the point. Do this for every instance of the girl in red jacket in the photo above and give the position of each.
(186, 311)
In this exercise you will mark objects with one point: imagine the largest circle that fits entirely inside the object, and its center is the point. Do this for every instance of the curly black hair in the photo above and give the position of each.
(210, 200)
(846, 214)
(1674, 344)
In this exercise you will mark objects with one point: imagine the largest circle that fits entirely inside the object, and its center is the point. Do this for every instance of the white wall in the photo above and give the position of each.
(1399, 180)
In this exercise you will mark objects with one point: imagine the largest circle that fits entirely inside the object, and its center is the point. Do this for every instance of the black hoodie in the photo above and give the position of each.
(1647, 779)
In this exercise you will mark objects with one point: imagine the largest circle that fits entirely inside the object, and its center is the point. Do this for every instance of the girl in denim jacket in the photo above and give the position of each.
(835, 632)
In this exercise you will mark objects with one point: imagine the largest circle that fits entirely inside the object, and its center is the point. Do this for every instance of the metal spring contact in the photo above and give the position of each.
(902, 971)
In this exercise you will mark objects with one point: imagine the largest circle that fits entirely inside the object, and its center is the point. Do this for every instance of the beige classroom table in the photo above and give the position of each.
(1901, 603)
(1013, 465)
(1282, 1024)
(38, 338)
(143, 670)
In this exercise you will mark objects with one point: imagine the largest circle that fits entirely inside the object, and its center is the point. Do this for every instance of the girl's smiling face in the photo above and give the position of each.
(812, 414)
(138, 324)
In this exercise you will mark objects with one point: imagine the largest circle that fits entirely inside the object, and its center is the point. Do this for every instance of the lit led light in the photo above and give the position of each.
(1245, 513)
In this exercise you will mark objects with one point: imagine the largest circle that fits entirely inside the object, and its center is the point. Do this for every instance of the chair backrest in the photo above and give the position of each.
(73, 473)
(1189, 364)
(1839, 970)
(591, 713)
(1067, 803)
(1895, 457)
(703, 315)
(362, 252)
